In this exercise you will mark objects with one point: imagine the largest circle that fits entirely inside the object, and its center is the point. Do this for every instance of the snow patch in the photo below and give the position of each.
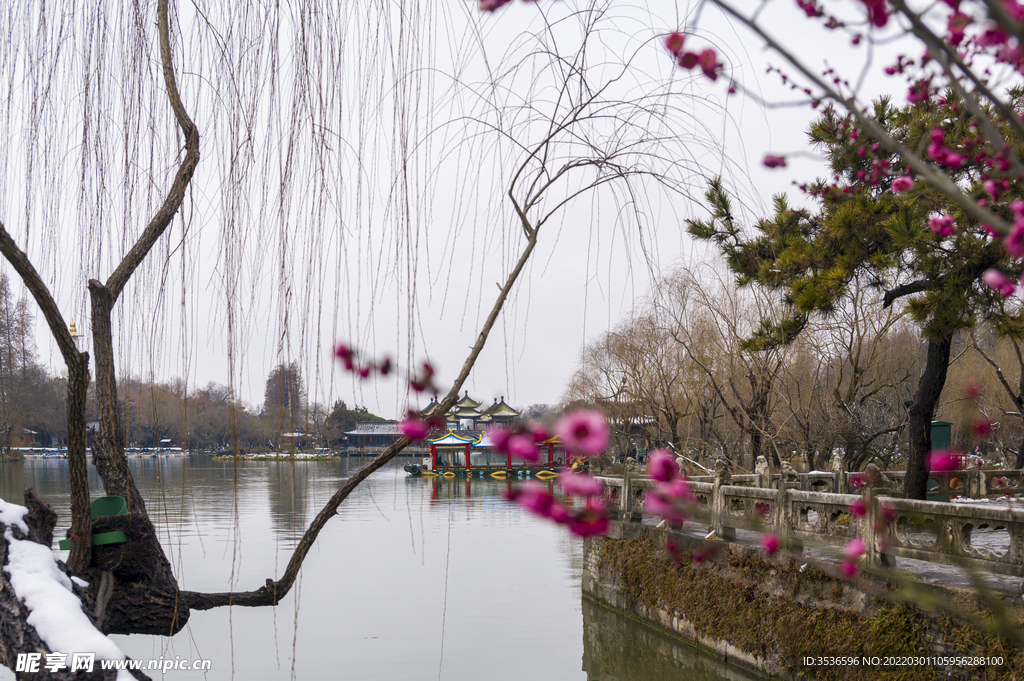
(54, 610)
(12, 514)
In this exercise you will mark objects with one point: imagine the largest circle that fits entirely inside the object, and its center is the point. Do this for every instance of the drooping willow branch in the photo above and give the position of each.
(109, 457)
(273, 591)
(113, 468)
(78, 384)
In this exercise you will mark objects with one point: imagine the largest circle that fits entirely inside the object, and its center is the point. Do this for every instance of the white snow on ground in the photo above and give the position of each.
(55, 612)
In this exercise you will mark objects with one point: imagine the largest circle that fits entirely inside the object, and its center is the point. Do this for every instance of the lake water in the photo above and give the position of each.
(415, 578)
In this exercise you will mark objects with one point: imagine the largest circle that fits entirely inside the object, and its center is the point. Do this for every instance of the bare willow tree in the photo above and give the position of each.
(709, 318)
(309, 146)
(847, 379)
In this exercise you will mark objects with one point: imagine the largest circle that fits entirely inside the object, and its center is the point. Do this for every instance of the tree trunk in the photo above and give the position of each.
(108, 447)
(78, 472)
(16, 634)
(1019, 461)
(915, 485)
(144, 593)
(810, 456)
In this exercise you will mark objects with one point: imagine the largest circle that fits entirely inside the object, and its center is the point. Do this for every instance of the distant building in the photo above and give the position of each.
(372, 435)
(24, 438)
(468, 415)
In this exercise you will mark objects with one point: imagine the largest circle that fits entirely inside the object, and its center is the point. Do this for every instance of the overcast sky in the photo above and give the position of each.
(365, 199)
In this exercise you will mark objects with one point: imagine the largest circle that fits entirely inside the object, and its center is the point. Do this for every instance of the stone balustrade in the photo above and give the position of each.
(978, 536)
(974, 483)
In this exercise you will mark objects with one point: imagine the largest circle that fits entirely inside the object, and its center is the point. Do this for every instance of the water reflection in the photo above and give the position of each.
(287, 487)
(618, 649)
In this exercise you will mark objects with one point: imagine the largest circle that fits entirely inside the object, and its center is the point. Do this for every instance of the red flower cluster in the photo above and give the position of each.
(589, 520)
(706, 59)
(416, 428)
(671, 493)
(349, 359)
(520, 443)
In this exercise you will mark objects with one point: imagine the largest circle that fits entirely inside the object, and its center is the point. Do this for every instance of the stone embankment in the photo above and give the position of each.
(708, 582)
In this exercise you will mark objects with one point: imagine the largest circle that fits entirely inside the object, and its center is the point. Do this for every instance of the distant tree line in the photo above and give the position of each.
(679, 372)
(33, 404)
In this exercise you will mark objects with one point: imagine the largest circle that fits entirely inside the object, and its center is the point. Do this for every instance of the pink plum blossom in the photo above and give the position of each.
(584, 432)
(560, 514)
(661, 465)
(708, 60)
(878, 12)
(656, 505)
(943, 461)
(535, 497)
(902, 184)
(941, 225)
(772, 161)
(858, 509)
(991, 189)
(539, 432)
(810, 8)
(580, 484)
(770, 543)
(982, 427)
(593, 520)
(1014, 242)
(499, 438)
(848, 568)
(998, 282)
(414, 429)
(491, 5)
(676, 489)
(854, 549)
(674, 42)
(522, 446)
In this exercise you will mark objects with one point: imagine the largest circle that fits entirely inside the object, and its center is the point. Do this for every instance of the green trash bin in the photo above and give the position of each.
(942, 438)
(103, 507)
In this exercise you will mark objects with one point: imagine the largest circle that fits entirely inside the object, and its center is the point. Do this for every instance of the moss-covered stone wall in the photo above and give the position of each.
(770, 614)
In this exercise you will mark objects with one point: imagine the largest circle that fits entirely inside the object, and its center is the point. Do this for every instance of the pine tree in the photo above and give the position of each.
(915, 245)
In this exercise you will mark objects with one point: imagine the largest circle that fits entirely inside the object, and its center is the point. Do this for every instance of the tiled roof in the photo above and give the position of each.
(390, 428)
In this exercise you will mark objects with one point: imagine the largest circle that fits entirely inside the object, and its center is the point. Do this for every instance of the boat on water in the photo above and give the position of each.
(131, 453)
(146, 453)
(43, 453)
(471, 454)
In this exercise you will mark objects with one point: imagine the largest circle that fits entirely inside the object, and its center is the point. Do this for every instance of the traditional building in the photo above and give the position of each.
(372, 435)
(467, 414)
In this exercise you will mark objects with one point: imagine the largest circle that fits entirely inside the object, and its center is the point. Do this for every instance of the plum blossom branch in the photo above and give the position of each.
(932, 175)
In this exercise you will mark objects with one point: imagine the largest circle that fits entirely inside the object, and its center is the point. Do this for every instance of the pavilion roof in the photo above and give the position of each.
(467, 401)
(485, 441)
(466, 413)
(390, 428)
(430, 408)
(501, 409)
(452, 438)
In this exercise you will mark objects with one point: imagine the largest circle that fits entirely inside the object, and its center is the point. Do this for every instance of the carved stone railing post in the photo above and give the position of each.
(866, 531)
(782, 521)
(976, 484)
(722, 477)
(625, 497)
